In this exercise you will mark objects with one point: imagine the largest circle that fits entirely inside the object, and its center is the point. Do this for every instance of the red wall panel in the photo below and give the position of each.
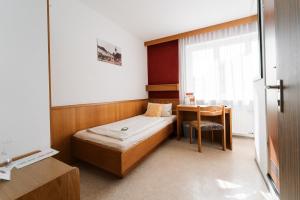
(164, 95)
(163, 67)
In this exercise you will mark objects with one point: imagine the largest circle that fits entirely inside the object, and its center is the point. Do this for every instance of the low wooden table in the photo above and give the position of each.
(189, 113)
(48, 179)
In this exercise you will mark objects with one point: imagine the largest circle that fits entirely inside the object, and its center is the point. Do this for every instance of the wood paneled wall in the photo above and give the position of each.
(67, 120)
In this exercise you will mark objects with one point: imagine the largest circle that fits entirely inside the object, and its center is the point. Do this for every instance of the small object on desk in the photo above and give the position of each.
(5, 171)
(6, 166)
(35, 158)
(189, 99)
(5, 158)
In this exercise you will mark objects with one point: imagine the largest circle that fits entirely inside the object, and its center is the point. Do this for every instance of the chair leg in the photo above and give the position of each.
(224, 140)
(212, 137)
(191, 134)
(199, 140)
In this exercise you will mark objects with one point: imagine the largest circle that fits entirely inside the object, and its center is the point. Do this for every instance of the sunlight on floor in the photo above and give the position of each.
(226, 185)
(266, 195)
(239, 196)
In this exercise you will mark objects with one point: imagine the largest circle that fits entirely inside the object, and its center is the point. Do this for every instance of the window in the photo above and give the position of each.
(222, 70)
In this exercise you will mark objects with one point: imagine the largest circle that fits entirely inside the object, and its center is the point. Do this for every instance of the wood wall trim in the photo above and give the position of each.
(245, 20)
(162, 87)
(94, 104)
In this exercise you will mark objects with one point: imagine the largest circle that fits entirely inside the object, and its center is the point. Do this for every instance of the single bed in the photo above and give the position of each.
(120, 155)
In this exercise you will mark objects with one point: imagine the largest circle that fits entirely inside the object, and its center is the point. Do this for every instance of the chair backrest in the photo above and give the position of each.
(212, 110)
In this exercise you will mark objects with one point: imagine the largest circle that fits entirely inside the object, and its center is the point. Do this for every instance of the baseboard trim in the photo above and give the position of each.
(273, 184)
(261, 173)
(241, 135)
(268, 182)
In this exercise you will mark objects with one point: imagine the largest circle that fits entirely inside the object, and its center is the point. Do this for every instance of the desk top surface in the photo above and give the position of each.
(31, 177)
(183, 107)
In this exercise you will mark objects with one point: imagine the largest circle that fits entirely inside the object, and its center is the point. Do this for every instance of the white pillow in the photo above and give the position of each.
(166, 110)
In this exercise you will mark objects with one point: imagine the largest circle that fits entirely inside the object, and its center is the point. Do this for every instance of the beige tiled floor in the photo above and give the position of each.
(176, 171)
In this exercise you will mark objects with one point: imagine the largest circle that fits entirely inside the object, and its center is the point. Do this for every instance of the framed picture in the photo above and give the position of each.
(107, 52)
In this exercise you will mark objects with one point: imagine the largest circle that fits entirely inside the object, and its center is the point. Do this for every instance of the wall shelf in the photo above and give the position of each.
(162, 87)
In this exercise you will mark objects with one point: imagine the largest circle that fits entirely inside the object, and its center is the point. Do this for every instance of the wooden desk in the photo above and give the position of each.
(189, 113)
(48, 179)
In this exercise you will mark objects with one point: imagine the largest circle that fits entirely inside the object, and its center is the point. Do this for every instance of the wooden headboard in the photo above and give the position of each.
(67, 120)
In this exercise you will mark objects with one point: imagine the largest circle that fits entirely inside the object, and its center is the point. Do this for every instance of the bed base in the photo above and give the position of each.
(115, 161)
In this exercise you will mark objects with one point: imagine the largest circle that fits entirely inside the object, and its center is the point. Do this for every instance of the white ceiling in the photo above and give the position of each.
(151, 19)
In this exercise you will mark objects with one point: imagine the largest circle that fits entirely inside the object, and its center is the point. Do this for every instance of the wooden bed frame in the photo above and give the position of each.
(117, 162)
(67, 120)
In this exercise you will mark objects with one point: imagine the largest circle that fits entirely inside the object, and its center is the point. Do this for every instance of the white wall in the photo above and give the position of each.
(260, 129)
(77, 76)
(242, 121)
(24, 101)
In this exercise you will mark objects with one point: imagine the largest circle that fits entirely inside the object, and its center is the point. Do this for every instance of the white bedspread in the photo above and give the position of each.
(123, 145)
(127, 128)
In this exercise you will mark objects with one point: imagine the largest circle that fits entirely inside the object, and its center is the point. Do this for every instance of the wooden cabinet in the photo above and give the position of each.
(48, 179)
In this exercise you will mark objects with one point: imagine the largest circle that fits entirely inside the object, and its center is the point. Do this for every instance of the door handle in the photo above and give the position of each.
(279, 87)
(273, 87)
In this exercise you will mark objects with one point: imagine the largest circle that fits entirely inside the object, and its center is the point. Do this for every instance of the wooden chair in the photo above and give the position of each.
(209, 125)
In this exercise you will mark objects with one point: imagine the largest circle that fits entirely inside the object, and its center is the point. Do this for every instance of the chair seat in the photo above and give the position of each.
(208, 125)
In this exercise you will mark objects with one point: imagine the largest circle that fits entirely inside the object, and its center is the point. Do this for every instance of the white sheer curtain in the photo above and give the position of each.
(219, 67)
